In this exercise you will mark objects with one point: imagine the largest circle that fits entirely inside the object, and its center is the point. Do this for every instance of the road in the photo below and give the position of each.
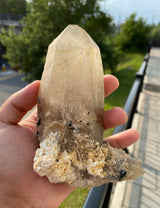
(10, 84)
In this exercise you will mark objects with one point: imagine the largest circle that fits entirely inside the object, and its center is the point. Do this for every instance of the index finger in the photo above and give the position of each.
(111, 83)
(123, 139)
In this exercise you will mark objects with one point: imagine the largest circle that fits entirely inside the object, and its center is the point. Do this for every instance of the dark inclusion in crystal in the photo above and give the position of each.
(122, 174)
(38, 100)
(39, 122)
(71, 126)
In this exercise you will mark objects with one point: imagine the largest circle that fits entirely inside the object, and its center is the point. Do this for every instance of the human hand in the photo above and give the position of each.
(20, 186)
(116, 117)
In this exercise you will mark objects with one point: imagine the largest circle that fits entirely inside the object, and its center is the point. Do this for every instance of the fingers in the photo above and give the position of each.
(19, 103)
(30, 121)
(111, 83)
(114, 117)
(13, 110)
(123, 139)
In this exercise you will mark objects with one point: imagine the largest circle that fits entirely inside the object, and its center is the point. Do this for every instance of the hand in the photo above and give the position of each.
(20, 186)
(116, 117)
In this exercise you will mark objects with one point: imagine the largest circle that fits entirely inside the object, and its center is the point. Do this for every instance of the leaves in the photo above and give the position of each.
(134, 34)
(13, 7)
(155, 35)
(44, 21)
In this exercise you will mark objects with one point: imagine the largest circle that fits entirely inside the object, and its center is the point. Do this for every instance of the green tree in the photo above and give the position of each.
(155, 35)
(134, 34)
(44, 21)
(13, 7)
(101, 28)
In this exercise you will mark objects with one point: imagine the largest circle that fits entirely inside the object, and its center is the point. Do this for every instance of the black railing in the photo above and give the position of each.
(154, 42)
(99, 197)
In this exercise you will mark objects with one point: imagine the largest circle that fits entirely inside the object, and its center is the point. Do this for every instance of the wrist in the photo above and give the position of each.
(12, 200)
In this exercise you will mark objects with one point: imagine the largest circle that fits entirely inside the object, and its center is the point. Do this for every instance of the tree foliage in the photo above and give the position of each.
(44, 21)
(13, 6)
(155, 35)
(134, 34)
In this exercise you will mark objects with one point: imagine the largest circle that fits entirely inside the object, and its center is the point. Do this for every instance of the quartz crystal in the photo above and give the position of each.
(70, 112)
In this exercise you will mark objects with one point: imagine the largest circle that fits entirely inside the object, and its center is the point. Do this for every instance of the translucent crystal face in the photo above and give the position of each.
(70, 111)
(72, 86)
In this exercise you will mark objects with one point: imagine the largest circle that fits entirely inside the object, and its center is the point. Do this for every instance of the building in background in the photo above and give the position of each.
(7, 20)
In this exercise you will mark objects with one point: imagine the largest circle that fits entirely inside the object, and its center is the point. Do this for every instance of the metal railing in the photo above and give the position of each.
(99, 197)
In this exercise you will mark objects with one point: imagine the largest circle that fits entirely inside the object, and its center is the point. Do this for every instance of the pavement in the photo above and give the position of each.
(144, 192)
(7, 73)
(10, 82)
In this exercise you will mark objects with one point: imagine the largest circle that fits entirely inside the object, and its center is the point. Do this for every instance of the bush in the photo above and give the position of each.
(134, 34)
(155, 35)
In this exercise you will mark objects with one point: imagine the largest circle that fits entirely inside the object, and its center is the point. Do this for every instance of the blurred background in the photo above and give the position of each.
(124, 30)
(28, 27)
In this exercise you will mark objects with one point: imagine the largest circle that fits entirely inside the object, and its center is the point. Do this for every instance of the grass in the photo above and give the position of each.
(76, 199)
(126, 70)
(130, 64)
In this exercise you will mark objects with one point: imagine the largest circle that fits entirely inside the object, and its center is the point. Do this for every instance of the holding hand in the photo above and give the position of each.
(20, 186)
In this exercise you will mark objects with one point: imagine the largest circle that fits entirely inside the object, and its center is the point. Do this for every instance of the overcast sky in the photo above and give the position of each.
(120, 9)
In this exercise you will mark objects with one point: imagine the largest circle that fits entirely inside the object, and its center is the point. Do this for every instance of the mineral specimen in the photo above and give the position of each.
(70, 112)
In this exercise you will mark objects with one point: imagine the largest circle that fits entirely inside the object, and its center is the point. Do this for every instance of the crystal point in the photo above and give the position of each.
(74, 85)
(70, 108)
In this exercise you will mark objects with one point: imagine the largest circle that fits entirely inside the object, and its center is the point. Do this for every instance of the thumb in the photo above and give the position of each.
(17, 105)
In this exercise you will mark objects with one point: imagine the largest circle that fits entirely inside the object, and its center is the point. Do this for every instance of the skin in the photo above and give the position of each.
(20, 186)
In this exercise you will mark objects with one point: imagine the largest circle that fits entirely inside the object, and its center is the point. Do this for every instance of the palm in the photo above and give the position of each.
(19, 152)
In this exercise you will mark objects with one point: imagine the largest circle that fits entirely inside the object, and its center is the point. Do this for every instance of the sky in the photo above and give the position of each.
(120, 9)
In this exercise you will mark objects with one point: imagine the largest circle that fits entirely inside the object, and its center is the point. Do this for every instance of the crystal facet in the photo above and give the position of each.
(70, 111)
